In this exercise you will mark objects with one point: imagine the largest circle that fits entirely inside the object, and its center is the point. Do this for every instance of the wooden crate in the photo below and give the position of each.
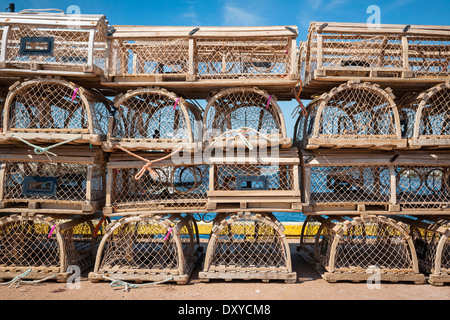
(193, 61)
(405, 58)
(42, 42)
(148, 248)
(363, 248)
(392, 182)
(44, 247)
(244, 117)
(431, 240)
(70, 181)
(353, 115)
(255, 181)
(154, 119)
(247, 246)
(425, 117)
(53, 110)
(168, 185)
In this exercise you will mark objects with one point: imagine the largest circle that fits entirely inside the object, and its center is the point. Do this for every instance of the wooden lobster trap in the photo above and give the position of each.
(148, 248)
(244, 117)
(335, 182)
(431, 239)
(362, 248)
(43, 247)
(255, 181)
(154, 118)
(247, 246)
(426, 117)
(155, 182)
(54, 110)
(65, 180)
(206, 57)
(387, 54)
(353, 115)
(42, 42)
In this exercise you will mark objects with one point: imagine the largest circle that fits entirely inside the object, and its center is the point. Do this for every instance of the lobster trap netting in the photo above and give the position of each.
(349, 184)
(304, 125)
(230, 177)
(148, 245)
(162, 188)
(44, 244)
(429, 56)
(423, 187)
(359, 244)
(56, 43)
(427, 115)
(155, 114)
(353, 50)
(51, 181)
(53, 105)
(246, 242)
(357, 110)
(247, 114)
(233, 58)
(432, 243)
(147, 56)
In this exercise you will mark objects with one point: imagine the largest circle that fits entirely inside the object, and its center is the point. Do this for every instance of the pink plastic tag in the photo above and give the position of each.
(168, 234)
(176, 102)
(51, 231)
(268, 102)
(74, 94)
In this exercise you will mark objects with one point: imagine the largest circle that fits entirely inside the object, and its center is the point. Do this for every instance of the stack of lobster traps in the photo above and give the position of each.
(253, 172)
(153, 184)
(376, 160)
(52, 178)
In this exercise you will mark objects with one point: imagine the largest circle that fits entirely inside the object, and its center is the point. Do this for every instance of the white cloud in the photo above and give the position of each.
(233, 16)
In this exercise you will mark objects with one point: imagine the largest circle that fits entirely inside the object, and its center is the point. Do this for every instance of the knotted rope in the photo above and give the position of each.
(149, 162)
(128, 286)
(240, 133)
(42, 150)
(18, 279)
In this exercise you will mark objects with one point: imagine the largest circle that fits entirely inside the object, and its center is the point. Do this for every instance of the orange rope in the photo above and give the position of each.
(297, 97)
(149, 163)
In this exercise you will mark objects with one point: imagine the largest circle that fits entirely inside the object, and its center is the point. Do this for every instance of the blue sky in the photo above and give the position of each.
(253, 12)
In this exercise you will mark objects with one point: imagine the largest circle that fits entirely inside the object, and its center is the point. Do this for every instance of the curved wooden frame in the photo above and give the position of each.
(418, 140)
(60, 274)
(333, 274)
(437, 275)
(181, 277)
(316, 140)
(282, 139)
(221, 222)
(190, 142)
(88, 135)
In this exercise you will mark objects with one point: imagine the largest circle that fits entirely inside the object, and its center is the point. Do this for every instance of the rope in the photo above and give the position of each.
(149, 163)
(239, 133)
(40, 150)
(128, 286)
(18, 279)
(300, 103)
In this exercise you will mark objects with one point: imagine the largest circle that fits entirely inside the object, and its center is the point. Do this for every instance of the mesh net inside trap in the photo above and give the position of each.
(28, 242)
(50, 181)
(56, 45)
(150, 244)
(247, 243)
(163, 187)
(351, 184)
(228, 58)
(57, 106)
(378, 243)
(250, 110)
(156, 115)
